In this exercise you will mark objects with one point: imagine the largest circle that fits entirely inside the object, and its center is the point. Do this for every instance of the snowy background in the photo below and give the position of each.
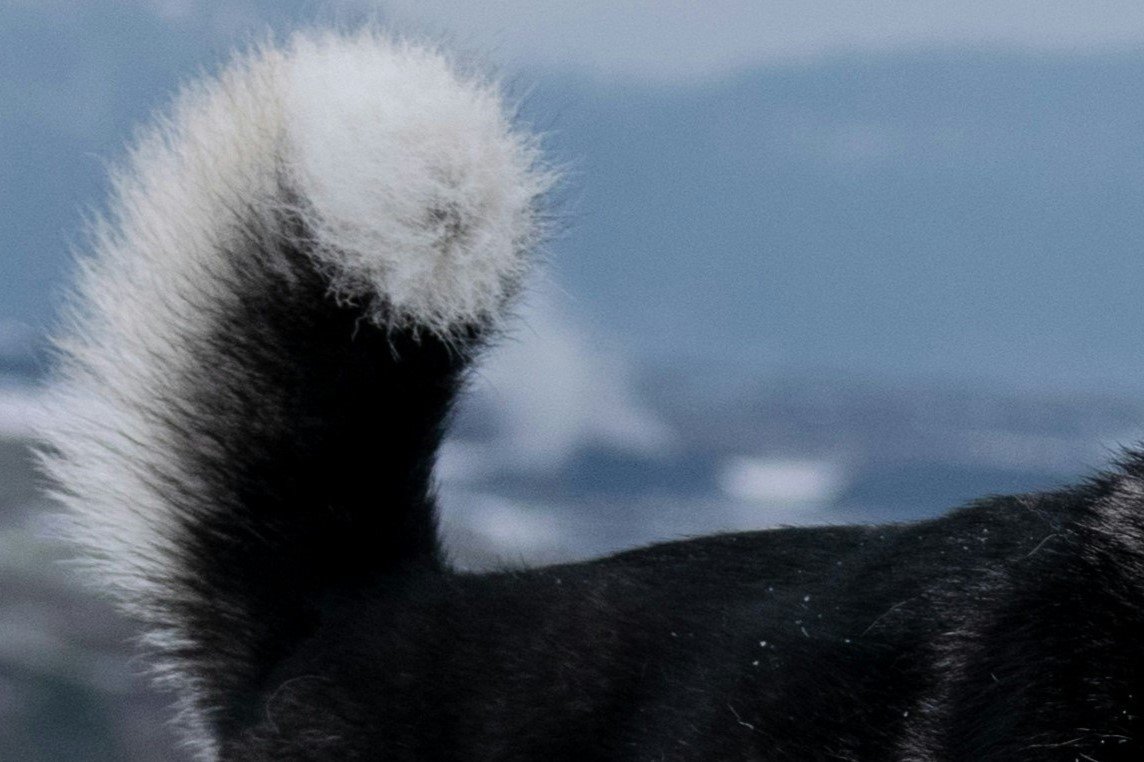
(824, 262)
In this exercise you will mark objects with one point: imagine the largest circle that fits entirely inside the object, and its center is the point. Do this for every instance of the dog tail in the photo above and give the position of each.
(299, 261)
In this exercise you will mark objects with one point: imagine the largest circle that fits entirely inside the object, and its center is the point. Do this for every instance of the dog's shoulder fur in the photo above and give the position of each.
(302, 258)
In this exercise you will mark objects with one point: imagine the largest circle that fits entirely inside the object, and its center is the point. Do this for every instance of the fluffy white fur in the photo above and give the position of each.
(417, 200)
(415, 187)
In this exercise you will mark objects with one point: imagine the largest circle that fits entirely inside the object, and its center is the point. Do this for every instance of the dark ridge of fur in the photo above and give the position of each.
(322, 430)
(1004, 631)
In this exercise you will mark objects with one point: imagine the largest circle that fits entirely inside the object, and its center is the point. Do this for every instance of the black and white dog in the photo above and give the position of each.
(302, 258)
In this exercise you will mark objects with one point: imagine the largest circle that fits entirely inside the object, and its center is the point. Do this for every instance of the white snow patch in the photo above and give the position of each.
(511, 525)
(771, 480)
(483, 531)
(461, 461)
(556, 387)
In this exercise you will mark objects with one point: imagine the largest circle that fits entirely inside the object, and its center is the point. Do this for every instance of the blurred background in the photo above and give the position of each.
(822, 262)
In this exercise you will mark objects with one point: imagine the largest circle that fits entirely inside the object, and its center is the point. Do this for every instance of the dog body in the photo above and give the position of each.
(1000, 632)
(302, 260)
(997, 633)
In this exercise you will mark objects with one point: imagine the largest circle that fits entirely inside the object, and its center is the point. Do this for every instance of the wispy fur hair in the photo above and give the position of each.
(298, 260)
(301, 259)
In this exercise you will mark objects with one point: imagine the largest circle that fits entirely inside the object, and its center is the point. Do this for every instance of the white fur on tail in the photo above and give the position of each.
(417, 201)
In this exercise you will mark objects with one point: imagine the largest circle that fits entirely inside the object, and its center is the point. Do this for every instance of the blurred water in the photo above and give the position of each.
(811, 450)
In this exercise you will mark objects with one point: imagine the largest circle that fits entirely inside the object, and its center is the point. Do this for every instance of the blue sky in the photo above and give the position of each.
(682, 41)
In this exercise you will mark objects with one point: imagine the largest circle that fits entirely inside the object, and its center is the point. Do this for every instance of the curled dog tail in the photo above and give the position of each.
(299, 260)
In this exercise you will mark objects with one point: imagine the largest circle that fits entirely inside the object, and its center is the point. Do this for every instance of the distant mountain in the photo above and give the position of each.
(952, 215)
(957, 214)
